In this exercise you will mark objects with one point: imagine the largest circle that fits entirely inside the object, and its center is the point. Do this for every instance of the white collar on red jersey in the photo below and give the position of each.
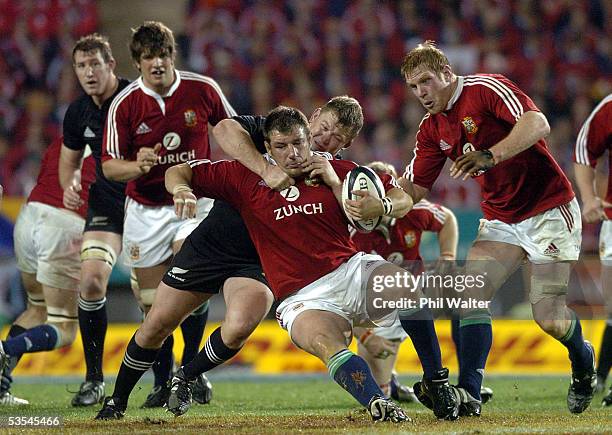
(156, 96)
(152, 93)
(456, 94)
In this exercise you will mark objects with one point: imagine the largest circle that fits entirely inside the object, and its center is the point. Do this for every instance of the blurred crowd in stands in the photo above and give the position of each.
(295, 52)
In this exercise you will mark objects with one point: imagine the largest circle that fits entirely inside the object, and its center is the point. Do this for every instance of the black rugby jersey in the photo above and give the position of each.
(84, 125)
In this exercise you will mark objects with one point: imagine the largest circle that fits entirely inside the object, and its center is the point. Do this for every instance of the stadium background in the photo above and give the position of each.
(301, 53)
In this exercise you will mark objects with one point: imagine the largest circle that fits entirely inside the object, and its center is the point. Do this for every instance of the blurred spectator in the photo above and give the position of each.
(268, 52)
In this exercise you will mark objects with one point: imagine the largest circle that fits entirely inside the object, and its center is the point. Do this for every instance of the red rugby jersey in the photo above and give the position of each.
(481, 112)
(48, 190)
(139, 117)
(300, 234)
(594, 139)
(400, 244)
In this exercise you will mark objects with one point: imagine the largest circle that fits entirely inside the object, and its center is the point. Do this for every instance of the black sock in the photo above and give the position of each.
(7, 379)
(136, 362)
(193, 330)
(605, 352)
(579, 354)
(93, 323)
(162, 368)
(214, 353)
(476, 337)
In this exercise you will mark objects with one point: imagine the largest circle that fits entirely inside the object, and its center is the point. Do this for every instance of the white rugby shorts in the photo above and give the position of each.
(393, 332)
(150, 231)
(605, 242)
(48, 244)
(551, 236)
(342, 291)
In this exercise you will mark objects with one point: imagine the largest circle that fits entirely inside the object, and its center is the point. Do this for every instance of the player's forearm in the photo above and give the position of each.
(237, 143)
(401, 203)
(415, 191)
(585, 179)
(121, 170)
(178, 175)
(448, 237)
(529, 129)
(69, 166)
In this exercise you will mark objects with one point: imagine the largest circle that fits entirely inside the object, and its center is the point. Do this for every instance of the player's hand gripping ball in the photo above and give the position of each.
(362, 179)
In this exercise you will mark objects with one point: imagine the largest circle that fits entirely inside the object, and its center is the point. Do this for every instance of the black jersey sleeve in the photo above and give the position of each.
(254, 125)
(73, 137)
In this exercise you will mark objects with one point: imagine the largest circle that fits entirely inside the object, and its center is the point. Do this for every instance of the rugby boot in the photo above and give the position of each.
(111, 410)
(486, 394)
(401, 393)
(607, 401)
(437, 394)
(202, 390)
(7, 399)
(582, 387)
(382, 409)
(181, 390)
(157, 398)
(90, 393)
(468, 405)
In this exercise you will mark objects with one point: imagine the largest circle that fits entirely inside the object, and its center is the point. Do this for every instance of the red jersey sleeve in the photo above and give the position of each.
(117, 131)
(428, 159)
(503, 98)
(595, 136)
(426, 216)
(224, 179)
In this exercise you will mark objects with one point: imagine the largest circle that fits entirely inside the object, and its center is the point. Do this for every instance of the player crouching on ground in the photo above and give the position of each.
(312, 266)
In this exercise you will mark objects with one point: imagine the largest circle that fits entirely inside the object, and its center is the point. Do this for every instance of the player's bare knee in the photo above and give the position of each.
(236, 331)
(554, 327)
(93, 286)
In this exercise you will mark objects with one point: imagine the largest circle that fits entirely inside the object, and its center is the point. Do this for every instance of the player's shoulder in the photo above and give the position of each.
(131, 90)
(79, 104)
(483, 82)
(195, 80)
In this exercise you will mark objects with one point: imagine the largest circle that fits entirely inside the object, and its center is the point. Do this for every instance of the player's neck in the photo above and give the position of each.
(100, 99)
(162, 90)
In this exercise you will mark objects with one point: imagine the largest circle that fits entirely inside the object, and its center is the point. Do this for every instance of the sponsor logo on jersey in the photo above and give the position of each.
(467, 148)
(552, 250)
(171, 141)
(143, 129)
(191, 118)
(410, 239)
(470, 125)
(444, 145)
(291, 193)
(88, 133)
(290, 210)
(181, 157)
(134, 252)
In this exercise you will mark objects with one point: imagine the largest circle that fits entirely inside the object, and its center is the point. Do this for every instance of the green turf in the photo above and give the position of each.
(522, 405)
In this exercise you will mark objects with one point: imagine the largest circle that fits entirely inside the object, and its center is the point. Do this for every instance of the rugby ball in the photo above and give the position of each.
(362, 178)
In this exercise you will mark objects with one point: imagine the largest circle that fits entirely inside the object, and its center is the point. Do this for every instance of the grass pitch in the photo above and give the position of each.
(317, 405)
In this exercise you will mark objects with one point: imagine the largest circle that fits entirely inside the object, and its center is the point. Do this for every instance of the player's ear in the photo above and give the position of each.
(315, 115)
(268, 147)
(112, 63)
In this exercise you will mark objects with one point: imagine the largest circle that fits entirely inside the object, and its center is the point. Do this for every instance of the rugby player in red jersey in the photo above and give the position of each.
(312, 266)
(47, 246)
(157, 121)
(594, 140)
(494, 133)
